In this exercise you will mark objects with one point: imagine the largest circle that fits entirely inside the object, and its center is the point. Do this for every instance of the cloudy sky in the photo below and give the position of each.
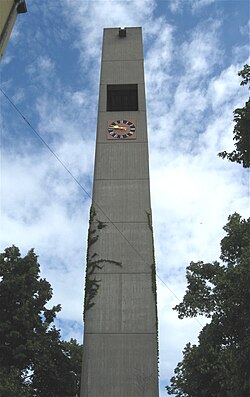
(193, 50)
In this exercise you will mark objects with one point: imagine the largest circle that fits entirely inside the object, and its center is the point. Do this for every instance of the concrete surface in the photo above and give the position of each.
(120, 333)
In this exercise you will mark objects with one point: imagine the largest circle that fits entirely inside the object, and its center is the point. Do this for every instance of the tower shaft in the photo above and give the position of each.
(120, 332)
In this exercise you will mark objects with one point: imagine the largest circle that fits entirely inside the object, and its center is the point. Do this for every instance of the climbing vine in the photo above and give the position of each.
(92, 285)
(91, 289)
(149, 220)
(153, 275)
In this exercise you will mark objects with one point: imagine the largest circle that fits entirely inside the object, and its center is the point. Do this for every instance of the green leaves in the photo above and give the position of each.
(241, 131)
(245, 74)
(235, 245)
(218, 365)
(33, 359)
(200, 296)
(22, 306)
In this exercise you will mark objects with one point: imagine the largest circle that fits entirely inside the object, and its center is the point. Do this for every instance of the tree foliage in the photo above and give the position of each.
(241, 154)
(33, 359)
(219, 365)
(245, 74)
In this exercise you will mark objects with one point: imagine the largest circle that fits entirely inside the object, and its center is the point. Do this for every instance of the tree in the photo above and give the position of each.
(59, 378)
(11, 383)
(218, 366)
(33, 359)
(245, 74)
(74, 351)
(241, 129)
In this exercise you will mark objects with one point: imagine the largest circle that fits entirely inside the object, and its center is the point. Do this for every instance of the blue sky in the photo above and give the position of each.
(193, 50)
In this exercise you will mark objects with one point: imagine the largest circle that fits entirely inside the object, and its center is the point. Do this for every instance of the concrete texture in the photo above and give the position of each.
(120, 365)
(112, 244)
(126, 309)
(122, 200)
(114, 48)
(135, 161)
(122, 72)
(120, 333)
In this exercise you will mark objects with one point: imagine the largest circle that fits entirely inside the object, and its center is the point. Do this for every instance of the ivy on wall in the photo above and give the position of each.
(153, 275)
(92, 285)
(94, 264)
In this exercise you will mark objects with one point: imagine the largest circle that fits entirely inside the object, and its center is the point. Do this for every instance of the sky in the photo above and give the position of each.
(193, 50)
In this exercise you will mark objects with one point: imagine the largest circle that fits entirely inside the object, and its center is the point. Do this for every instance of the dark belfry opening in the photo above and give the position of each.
(122, 32)
(122, 97)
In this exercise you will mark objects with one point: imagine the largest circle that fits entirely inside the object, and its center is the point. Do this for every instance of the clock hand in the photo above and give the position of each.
(118, 127)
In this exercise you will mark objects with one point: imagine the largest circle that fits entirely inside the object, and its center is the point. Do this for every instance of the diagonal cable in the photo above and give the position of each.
(85, 191)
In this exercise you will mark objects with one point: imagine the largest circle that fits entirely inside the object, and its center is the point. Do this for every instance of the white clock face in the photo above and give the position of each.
(121, 129)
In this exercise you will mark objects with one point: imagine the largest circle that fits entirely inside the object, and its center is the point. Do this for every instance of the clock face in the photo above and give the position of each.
(121, 129)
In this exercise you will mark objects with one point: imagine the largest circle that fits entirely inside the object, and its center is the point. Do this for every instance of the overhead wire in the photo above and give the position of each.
(85, 191)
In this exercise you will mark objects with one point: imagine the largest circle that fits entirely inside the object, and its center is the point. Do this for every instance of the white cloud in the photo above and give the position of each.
(6, 59)
(43, 208)
(43, 64)
(244, 30)
(177, 6)
(80, 98)
(225, 87)
(186, 330)
(88, 19)
(239, 54)
(158, 61)
(42, 71)
(198, 4)
(202, 52)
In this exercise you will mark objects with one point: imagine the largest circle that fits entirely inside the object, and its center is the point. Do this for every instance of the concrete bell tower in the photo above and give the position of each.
(120, 332)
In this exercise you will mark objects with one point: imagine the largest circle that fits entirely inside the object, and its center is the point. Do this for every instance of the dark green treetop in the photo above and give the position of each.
(218, 365)
(33, 359)
(245, 74)
(241, 154)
